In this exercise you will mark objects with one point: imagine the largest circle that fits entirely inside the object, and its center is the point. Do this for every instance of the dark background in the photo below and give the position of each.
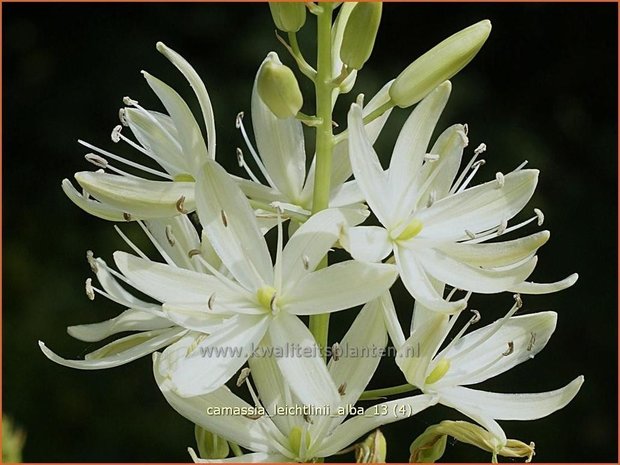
(542, 89)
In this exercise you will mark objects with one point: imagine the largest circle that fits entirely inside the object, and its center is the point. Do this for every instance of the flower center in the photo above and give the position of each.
(438, 372)
(295, 438)
(184, 177)
(411, 230)
(266, 296)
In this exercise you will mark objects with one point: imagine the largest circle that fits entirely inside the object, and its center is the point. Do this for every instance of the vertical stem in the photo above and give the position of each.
(319, 324)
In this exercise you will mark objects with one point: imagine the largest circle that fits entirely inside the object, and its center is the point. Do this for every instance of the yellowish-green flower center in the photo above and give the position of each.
(184, 177)
(266, 297)
(294, 439)
(438, 372)
(411, 230)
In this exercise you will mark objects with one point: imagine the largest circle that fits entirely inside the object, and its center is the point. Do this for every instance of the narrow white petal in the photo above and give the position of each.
(281, 146)
(199, 88)
(251, 434)
(94, 207)
(199, 319)
(420, 284)
(472, 278)
(311, 242)
(368, 171)
(230, 225)
(177, 236)
(391, 320)
(130, 320)
(304, 370)
(347, 194)
(381, 414)
(517, 406)
(121, 351)
(139, 198)
(367, 243)
(199, 364)
(259, 192)
(545, 288)
(255, 457)
(479, 208)
(171, 284)
(340, 286)
(190, 137)
(478, 356)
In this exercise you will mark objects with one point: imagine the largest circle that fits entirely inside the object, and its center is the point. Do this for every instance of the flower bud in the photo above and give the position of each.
(439, 64)
(288, 16)
(210, 445)
(429, 446)
(278, 88)
(373, 449)
(360, 34)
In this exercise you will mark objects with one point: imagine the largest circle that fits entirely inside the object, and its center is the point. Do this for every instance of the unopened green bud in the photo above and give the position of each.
(429, 446)
(210, 445)
(360, 34)
(278, 87)
(13, 440)
(439, 64)
(288, 16)
(373, 449)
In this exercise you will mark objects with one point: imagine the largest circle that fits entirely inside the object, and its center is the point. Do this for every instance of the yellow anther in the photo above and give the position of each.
(438, 372)
(184, 177)
(411, 230)
(266, 296)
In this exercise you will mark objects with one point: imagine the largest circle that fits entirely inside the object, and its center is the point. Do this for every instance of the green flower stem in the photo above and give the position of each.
(379, 393)
(319, 324)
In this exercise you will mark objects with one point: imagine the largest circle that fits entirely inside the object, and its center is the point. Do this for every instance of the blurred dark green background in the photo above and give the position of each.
(542, 89)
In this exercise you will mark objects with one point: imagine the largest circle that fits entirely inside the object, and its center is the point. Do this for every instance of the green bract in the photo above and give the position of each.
(439, 64)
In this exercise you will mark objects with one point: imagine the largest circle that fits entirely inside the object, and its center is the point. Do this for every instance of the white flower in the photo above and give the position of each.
(257, 297)
(321, 432)
(435, 225)
(174, 142)
(476, 357)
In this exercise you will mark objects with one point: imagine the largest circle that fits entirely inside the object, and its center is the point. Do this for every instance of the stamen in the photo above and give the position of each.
(116, 133)
(336, 352)
(130, 102)
(90, 293)
(499, 177)
(244, 165)
(307, 418)
(501, 229)
(157, 245)
(243, 376)
(518, 300)
(180, 205)
(476, 318)
(277, 269)
(491, 233)
(224, 218)
(510, 350)
(211, 301)
(306, 262)
(520, 167)
(475, 167)
(169, 236)
(342, 389)
(481, 148)
(431, 157)
(530, 344)
(122, 116)
(540, 216)
(96, 160)
(466, 128)
(90, 257)
(257, 160)
(431, 199)
(130, 244)
(126, 216)
(470, 234)
(193, 252)
(360, 100)
(272, 304)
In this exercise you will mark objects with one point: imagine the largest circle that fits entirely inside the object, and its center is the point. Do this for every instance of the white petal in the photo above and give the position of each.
(378, 415)
(367, 243)
(347, 194)
(517, 406)
(304, 370)
(340, 286)
(472, 278)
(368, 171)
(177, 236)
(199, 364)
(171, 284)
(495, 254)
(478, 355)
(234, 234)
(121, 351)
(197, 319)
(259, 192)
(479, 208)
(199, 88)
(411, 146)
(311, 242)
(190, 137)
(94, 207)
(545, 288)
(140, 198)
(251, 434)
(391, 320)
(281, 146)
(129, 320)
(420, 285)
(255, 457)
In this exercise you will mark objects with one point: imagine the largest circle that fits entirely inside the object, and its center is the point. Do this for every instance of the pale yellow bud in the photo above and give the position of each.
(438, 64)
(360, 34)
(288, 16)
(210, 445)
(373, 449)
(429, 446)
(278, 88)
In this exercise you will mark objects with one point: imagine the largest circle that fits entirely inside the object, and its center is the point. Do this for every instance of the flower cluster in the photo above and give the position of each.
(223, 308)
